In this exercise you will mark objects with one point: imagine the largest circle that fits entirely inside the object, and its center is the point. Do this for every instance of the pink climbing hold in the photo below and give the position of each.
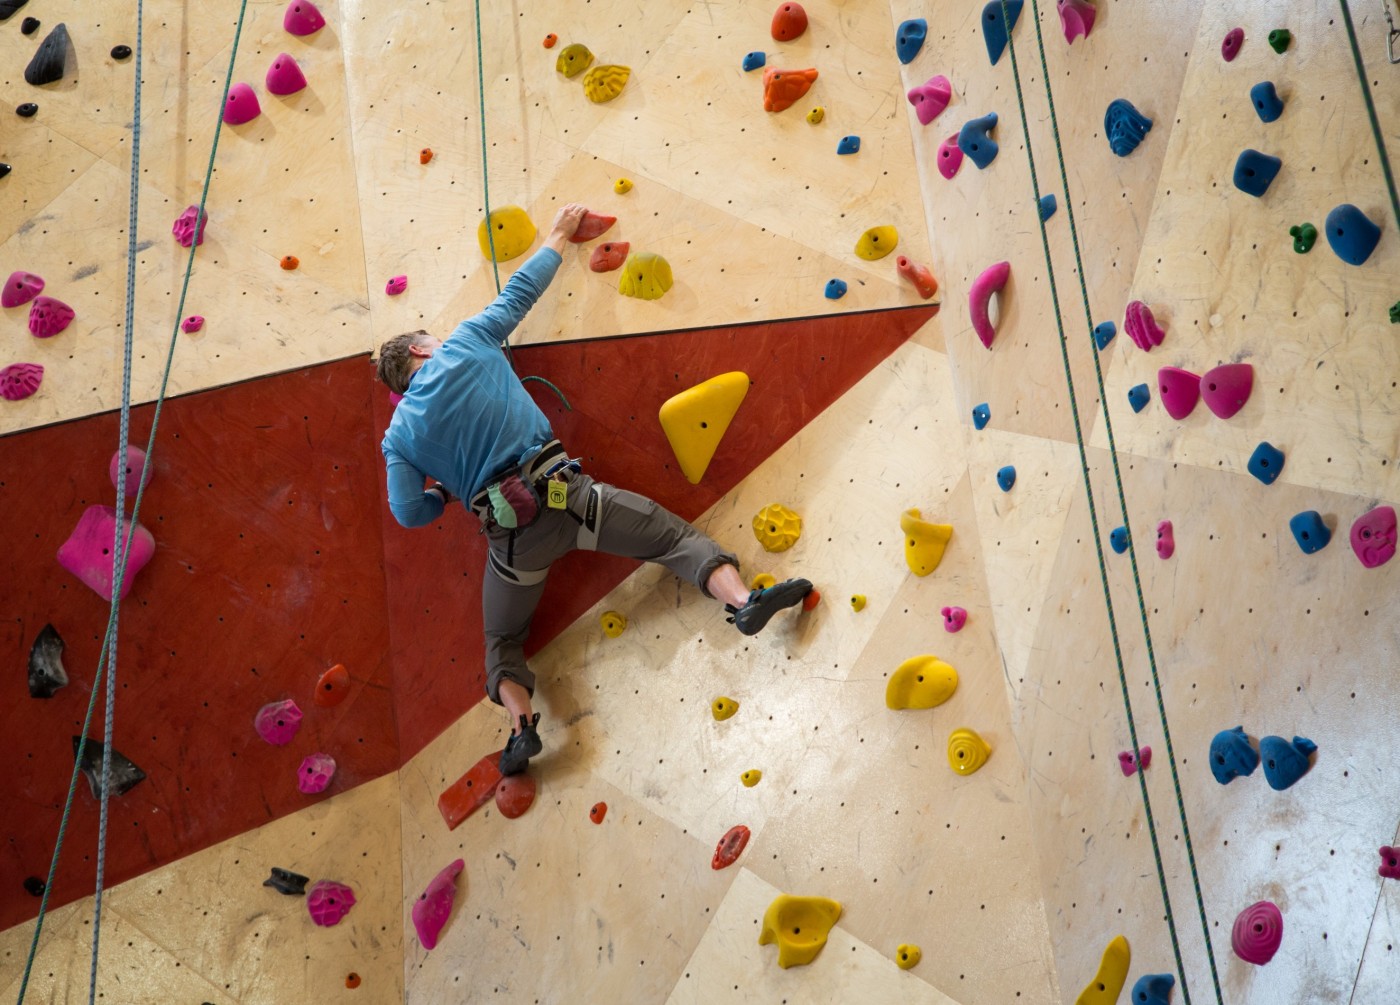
(87, 553)
(1142, 327)
(192, 324)
(396, 285)
(1230, 48)
(950, 157)
(242, 105)
(19, 380)
(1076, 18)
(953, 619)
(1257, 933)
(1373, 537)
(991, 281)
(931, 98)
(434, 905)
(284, 76)
(1130, 764)
(277, 722)
(1390, 862)
(184, 228)
(130, 466)
(48, 317)
(20, 288)
(1166, 542)
(315, 773)
(1180, 390)
(302, 18)
(1226, 388)
(328, 902)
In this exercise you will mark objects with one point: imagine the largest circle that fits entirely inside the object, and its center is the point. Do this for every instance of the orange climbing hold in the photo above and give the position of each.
(551, 40)
(730, 847)
(609, 256)
(470, 792)
(810, 602)
(352, 980)
(514, 795)
(333, 686)
(290, 262)
(789, 22)
(598, 812)
(782, 87)
(919, 275)
(425, 155)
(592, 225)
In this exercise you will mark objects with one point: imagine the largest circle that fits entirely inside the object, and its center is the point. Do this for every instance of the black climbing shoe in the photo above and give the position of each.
(521, 747)
(763, 604)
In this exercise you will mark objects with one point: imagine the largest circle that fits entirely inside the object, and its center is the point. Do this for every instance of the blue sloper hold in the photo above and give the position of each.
(1124, 126)
(1352, 234)
(975, 140)
(1266, 101)
(1153, 989)
(909, 39)
(995, 32)
(1309, 531)
(1006, 478)
(1255, 172)
(981, 415)
(754, 60)
(1119, 539)
(1231, 755)
(1048, 206)
(1266, 463)
(848, 145)
(1104, 333)
(1284, 762)
(835, 289)
(1139, 396)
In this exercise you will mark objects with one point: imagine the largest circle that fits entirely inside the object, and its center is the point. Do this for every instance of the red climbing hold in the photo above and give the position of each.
(598, 812)
(919, 275)
(514, 795)
(333, 686)
(730, 847)
(811, 600)
(782, 87)
(470, 792)
(789, 22)
(609, 256)
(290, 262)
(592, 225)
(551, 40)
(425, 155)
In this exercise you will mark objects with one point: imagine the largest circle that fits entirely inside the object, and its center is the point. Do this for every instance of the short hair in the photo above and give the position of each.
(395, 364)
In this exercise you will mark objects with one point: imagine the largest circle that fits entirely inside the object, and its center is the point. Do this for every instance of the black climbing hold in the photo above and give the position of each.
(8, 8)
(46, 673)
(27, 110)
(29, 26)
(121, 52)
(34, 886)
(47, 64)
(4, 170)
(286, 881)
(125, 775)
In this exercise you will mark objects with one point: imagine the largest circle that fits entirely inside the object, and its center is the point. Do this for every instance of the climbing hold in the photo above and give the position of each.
(906, 957)
(332, 686)
(302, 18)
(1390, 862)
(425, 155)
(289, 263)
(130, 466)
(396, 285)
(783, 87)
(730, 847)
(470, 792)
(1118, 539)
(1077, 18)
(352, 980)
(1125, 127)
(598, 812)
(1284, 763)
(954, 618)
(1142, 327)
(1266, 101)
(1166, 540)
(1230, 47)
(1309, 531)
(1255, 172)
(1304, 237)
(573, 59)
(695, 420)
(46, 672)
(816, 115)
(34, 886)
(514, 795)
(810, 600)
(328, 902)
(47, 64)
(123, 775)
(287, 882)
(184, 228)
(315, 773)
(646, 276)
(723, 708)
(21, 288)
(929, 99)
(1105, 333)
(835, 289)
(909, 39)
(614, 623)
(1225, 389)
(1279, 39)
(242, 105)
(120, 52)
(924, 542)
(789, 22)
(751, 778)
(48, 317)
(434, 905)
(992, 280)
(609, 256)
(1352, 234)
(950, 157)
(848, 145)
(591, 226)
(27, 110)
(1231, 755)
(1180, 390)
(858, 602)
(1108, 983)
(919, 275)
(192, 324)
(1129, 763)
(967, 751)
(19, 380)
(29, 26)
(1138, 396)
(1006, 477)
(87, 553)
(981, 415)
(996, 32)
(603, 83)
(800, 926)
(551, 40)
(754, 61)
(763, 581)
(622, 186)
(1373, 536)
(1266, 463)
(5, 169)
(510, 233)
(284, 76)
(1257, 933)
(920, 682)
(876, 243)
(1153, 989)
(277, 722)
(975, 140)
(777, 527)
(1048, 205)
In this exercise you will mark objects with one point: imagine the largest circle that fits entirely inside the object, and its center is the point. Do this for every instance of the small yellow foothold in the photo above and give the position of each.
(967, 751)
(763, 580)
(799, 925)
(876, 243)
(777, 527)
(512, 232)
(908, 956)
(1113, 974)
(614, 624)
(622, 186)
(695, 420)
(603, 83)
(921, 682)
(645, 275)
(573, 59)
(816, 115)
(751, 778)
(722, 708)
(858, 601)
(924, 542)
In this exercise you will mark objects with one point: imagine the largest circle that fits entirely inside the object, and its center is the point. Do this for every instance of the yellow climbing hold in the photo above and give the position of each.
(816, 115)
(696, 420)
(921, 682)
(777, 527)
(622, 186)
(1113, 974)
(908, 956)
(858, 601)
(722, 708)
(573, 59)
(614, 624)
(751, 778)
(967, 751)
(646, 276)
(799, 925)
(876, 243)
(924, 542)
(763, 580)
(603, 83)
(512, 232)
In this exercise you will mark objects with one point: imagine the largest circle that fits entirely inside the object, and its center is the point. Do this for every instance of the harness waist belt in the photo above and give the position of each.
(536, 467)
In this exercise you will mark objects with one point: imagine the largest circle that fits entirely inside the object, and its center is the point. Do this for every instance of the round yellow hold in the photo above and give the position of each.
(908, 956)
(876, 243)
(967, 751)
(816, 115)
(511, 232)
(622, 186)
(603, 83)
(751, 778)
(921, 682)
(858, 601)
(573, 59)
(777, 527)
(645, 275)
(722, 708)
(614, 624)
(763, 581)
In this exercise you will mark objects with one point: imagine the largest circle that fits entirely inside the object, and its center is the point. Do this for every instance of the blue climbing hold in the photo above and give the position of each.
(1266, 101)
(1255, 172)
(1139, 396)
(995, 32)
(1309, 531)
(981, 415)
(1048, 206)
(1153, 989)
(1124, 126)
(1352, 234)
(1284, 762)
(754, 60)
(848, 145)
(1266, 463)
(1006, 478)
(835, 289)
(1104, 333)
(975, 140)
(1231, 755)
(1119, 539)
(909, 39)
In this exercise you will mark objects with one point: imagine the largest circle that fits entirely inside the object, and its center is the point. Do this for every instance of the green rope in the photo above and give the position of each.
(1371, 110)
(1123, 504)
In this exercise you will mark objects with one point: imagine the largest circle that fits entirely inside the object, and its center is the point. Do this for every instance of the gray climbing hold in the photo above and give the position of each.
(125, 775)
(285, 881)
(46, 673)
(47, 65)
(9, 7)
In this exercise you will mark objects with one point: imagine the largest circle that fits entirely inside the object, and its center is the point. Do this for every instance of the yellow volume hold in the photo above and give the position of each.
(511, 233)
(696, 420)
(646, 276)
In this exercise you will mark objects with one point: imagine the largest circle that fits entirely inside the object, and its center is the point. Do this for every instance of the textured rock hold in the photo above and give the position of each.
(329, 902)
(954, 618)
(781, 88)
(315, 773)
(46, 672)
(184, 227)
(919, 275)
(123, 775)
(967, 751)
(1373, 537)
(48, 317)
(645, 276)
(278, 722)
(192, 324)
(47, 65)
(1232, 756)
(776, 527)
(19, 380)
(605, 82)
(396, 285)
(1257, 933)
(1142, 327)
(284, 881)
(1284, 762)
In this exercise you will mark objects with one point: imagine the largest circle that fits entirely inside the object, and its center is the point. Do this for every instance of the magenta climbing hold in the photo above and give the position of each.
(87, 553)
(192, 324)
(1257, 933)
(1225, 389)
(991, 281)
(19, 380)
(1390, 862)
(929, 99)
(1230, 48)
(1076, 18)
(48, 317)
(1129, 763)
(954, 618)
(1179, 390)
(1373, 536)
(328, 902)
(950, 157)
(184, 228)
(130, 466)
(302, 18)
(315, 773)
(277, 722)
(21, 288)
(434, 905)
(396, 285)
(1142, 327)
(284, 76)
(1166, 541)
(242, 105)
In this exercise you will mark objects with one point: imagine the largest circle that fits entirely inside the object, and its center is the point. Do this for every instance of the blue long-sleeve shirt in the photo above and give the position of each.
(465, 416)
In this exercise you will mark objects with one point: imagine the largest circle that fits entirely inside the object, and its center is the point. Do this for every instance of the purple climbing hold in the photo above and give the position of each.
(1373, 537)
(1230, 48)
(87, 553)
(130, 465)
(396, 285)
(242, 105)
(277, 722)
(315, 773)
(929, 99)
(184, 228)
(19, 380)
(1166, 541)
(1226, 388)
(123, 774)
(21, 288)
(1179, 390)
(328, 902)
(47, 65)
(1076, 18)
(192, 324)
(434, 905)
(285, 881)
(284, 76)
(48, 317)
(46, 673)
(1257, 933)
(302, 18)
(950, 157)
(953, 619)
(1142, 327)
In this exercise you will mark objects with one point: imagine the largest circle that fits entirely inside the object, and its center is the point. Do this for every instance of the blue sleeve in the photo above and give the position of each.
(524, 288)
(410, 504)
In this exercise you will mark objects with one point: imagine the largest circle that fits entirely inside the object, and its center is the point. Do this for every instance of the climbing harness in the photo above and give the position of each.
(1392, 35)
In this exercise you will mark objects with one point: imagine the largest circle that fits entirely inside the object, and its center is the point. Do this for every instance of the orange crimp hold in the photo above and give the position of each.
(551, 40)
(919, 275)
(425, 155)
(333, 686)
(598, 812)
(470, 792)
(810, 602)
(290, 262)
(782, 87)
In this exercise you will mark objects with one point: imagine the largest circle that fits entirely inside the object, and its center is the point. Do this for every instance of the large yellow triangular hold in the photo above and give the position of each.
(696, 420)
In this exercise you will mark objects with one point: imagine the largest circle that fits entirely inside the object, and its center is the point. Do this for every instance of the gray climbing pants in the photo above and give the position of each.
(599, 517)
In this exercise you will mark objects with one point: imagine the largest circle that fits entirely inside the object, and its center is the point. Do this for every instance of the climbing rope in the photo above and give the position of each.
(1370, 103)
(107, 658)
(1123, 504)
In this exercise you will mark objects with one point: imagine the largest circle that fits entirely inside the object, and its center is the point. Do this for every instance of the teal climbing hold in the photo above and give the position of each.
(1006, 478)
(1309, 531)
(1104, 334)
(1284, 762)
(1124, 126)
(996, 32)
(1119, 539)
(848, 145)
(1153, 989)
(835, 289)
(1266, 463)
(1047, 206)
(909, 39)
(981, 415)
(754, 60)
(1232, 755)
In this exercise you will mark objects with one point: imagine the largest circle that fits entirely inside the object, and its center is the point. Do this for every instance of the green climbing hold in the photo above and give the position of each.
(1395, 313)
(1279, 39)
(1304, 237)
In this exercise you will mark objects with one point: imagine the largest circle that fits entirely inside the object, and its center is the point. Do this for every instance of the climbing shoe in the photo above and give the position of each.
(763, 604)
(521, 747)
